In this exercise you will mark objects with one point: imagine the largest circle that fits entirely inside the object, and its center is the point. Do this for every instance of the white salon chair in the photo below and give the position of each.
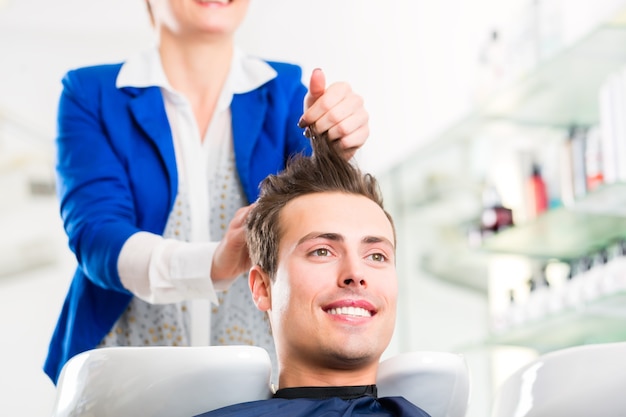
(186, 381)
(582, 381)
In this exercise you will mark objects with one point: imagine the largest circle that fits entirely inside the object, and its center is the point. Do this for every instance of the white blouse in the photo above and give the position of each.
(170, 274)
(160, 270)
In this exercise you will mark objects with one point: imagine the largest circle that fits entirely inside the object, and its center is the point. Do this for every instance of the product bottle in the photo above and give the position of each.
(573, 166)
(614, 278)
(537, 304)
(593, 159)
(515, 311)
(556, 274)
(495, 217)
(537, 192)
(491, 69)
(579, 167)
(576, 280)
(593, 282)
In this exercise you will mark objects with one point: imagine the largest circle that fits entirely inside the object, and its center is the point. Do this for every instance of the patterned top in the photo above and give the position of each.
(236, 320)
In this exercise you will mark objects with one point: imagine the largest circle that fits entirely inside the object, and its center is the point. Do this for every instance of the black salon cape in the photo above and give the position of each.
(323, 402)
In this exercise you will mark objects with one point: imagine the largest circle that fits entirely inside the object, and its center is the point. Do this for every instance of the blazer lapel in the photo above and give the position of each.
(148, 110)
(249, 111)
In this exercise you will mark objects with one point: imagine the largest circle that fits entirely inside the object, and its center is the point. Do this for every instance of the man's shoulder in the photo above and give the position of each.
(247, 409)
(303, 407)
(400, 406)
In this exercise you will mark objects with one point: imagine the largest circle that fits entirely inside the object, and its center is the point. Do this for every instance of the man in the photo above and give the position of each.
(323, 254)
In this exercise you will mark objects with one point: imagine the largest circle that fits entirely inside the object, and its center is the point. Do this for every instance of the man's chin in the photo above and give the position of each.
(349, 359)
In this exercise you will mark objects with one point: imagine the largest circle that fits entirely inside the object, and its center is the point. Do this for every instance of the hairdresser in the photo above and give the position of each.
(158, 159)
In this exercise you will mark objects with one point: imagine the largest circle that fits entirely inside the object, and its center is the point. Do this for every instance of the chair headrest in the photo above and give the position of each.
(161, 381)
(186, 381)
(437, 382)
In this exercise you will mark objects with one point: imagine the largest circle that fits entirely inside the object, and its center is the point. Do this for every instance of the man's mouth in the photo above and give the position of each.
(350, 311)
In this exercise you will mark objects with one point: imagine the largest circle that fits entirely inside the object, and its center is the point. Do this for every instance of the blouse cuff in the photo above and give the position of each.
(161, 271)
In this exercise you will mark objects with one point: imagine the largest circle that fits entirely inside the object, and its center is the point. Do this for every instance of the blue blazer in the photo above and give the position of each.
(116, 175)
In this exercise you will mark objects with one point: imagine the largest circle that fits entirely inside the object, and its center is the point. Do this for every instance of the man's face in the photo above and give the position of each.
(333, 301)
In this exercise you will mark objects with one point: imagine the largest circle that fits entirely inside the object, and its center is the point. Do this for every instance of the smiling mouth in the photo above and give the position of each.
(350, 311)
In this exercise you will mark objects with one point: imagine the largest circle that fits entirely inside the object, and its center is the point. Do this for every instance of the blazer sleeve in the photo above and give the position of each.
(96, 201)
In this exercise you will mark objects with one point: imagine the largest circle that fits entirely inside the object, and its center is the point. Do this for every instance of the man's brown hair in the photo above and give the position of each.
(325, 171)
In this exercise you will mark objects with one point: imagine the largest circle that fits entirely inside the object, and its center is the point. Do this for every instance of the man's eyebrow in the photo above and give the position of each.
(377, 239)
(321, 235)
(339, 238)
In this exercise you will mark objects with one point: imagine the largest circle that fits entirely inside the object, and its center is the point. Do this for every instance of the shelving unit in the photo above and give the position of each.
(600, 321)
(564, 90)
(567, 233)
(559, 93)
(435, 195)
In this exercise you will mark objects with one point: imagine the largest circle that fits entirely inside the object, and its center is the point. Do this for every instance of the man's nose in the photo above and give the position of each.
(351, 272)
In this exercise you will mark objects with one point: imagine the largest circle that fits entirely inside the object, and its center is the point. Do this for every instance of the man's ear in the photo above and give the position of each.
(259, 283)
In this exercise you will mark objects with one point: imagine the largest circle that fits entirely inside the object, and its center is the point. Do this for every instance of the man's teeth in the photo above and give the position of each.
(350, 311)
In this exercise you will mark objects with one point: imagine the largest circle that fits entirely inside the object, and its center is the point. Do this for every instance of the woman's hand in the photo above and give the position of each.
(231, 257)
(338, 110)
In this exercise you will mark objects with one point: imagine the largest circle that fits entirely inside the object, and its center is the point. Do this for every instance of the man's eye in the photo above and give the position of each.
(321, 252)
(378, 257)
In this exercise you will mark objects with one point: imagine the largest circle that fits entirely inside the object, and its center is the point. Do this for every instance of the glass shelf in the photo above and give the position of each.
(436, 183)
(564, 90)
(435, 192)
(458, 265)
(558, 93)
(568, 233)
(600, 321)
(563, 233)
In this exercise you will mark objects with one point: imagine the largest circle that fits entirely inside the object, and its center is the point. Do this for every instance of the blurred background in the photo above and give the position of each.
(497, 131)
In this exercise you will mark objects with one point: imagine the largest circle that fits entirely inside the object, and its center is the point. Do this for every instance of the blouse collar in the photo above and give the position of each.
(247, 73)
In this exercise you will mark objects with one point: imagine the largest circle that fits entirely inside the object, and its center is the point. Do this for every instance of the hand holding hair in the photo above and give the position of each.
(336, 110)
(231, 257)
